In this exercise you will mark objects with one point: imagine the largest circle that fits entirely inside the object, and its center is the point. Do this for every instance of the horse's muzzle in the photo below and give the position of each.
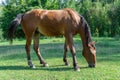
(91, 65)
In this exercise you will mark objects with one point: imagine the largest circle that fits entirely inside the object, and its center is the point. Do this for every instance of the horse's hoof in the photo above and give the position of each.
(77, 69)
(32, 67)
(45, 65)
(67, 64)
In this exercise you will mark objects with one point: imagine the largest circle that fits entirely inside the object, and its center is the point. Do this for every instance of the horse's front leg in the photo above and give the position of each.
(37, 50)
(65, 54)
(75, 64)
(27, 47)
(69, 41)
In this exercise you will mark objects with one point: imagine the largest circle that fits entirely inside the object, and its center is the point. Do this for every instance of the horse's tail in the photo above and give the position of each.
(13, 26)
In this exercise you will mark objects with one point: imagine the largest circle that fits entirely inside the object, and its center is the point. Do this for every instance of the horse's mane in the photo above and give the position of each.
(87, 29)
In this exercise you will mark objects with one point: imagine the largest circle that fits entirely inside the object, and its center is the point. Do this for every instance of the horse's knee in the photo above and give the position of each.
(35, 47)
(27, 48)
(73, 51)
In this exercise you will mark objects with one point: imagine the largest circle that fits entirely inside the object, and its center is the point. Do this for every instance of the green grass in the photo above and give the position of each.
(13, 61)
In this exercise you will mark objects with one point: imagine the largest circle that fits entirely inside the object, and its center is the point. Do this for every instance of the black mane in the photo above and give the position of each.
(87, 30)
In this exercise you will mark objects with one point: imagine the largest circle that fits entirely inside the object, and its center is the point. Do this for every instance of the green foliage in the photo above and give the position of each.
(11, 10)
(1, 23)
(103, 16)
(114, 16)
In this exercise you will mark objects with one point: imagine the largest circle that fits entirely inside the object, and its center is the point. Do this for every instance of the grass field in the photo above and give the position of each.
(13, 62)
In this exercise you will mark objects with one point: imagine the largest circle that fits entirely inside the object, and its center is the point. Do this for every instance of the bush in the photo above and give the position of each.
(103, 16)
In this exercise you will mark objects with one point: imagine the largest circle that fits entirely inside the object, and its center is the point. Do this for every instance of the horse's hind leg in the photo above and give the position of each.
(36, 48)
(65, 54)
(69, 41)
(27, 47)
(29, 31)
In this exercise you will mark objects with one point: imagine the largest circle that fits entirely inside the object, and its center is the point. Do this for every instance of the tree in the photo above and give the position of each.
(11, 9)
(103, 16)
(114, 16)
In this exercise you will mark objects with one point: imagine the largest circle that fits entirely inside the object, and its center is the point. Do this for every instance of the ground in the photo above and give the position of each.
(13, 61)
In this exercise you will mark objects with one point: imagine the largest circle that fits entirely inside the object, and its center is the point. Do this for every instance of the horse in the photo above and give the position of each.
(66, 22)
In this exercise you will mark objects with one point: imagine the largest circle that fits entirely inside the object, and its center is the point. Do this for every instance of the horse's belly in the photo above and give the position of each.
(51, 31)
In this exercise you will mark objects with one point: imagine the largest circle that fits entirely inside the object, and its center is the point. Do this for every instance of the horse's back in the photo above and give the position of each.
(51, 22)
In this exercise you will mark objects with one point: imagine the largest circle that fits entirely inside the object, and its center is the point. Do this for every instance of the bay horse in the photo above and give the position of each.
(66, 22)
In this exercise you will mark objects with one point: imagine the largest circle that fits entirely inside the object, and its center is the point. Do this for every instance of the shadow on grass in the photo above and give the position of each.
(48, 51)
(55, 68)
(14, 68)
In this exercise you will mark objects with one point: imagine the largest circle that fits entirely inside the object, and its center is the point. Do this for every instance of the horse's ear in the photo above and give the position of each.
(92, 45)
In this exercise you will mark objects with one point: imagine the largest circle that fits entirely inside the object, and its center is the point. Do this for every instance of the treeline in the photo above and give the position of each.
(103, 16)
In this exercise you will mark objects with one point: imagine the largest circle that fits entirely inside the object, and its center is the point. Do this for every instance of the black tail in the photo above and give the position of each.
(13, 26)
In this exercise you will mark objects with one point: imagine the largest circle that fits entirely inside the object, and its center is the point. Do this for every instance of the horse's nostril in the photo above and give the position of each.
(91, 65)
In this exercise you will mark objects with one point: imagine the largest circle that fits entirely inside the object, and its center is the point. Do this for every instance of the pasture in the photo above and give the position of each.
(13, 61)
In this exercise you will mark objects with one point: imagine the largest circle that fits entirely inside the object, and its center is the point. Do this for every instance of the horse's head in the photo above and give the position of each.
(90, 54)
